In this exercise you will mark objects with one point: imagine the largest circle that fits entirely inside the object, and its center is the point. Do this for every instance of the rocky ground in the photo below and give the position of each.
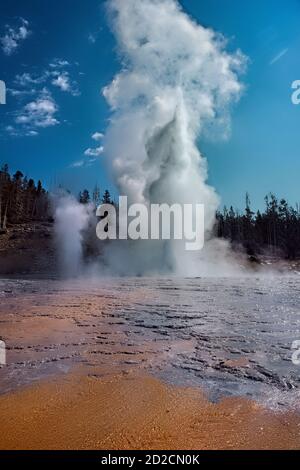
(28, 249)
(149, 363)
(230, 336)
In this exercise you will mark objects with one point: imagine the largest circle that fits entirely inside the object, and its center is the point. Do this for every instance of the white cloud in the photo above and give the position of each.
(31, 83)
(11, 130)
(15, 132)
(92, 38)
(278, 56)
(97, 136)
(62, 81)
(59, 63)
(83, 163)
(39, 113)
(77, 164)
(26, 79)
(14, 36)
(32, 133)
(94, 152)
(21, 93)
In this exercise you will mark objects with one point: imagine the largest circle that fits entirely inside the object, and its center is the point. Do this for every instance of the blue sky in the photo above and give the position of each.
(56, 56)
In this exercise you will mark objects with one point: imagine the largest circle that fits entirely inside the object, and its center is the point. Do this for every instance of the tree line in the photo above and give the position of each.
(21, 200)
(84, 197)
(276, 229)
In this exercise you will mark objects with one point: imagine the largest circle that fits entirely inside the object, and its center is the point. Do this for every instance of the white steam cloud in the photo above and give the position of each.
(71, 219)
(176, 81)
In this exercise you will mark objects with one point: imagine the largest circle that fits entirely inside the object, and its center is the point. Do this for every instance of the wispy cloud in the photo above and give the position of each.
(93, 37)
(77, 164)
(27, 84)
(26, 79)
(54, 76)
(40, 113)
(278, 56)
(97, 136)
(91, 153)
(63, 81)
(83, 163)
(14, 36)
(38, 86)
(17, 132)
(59, 63)
(94, 152)
(21, 93)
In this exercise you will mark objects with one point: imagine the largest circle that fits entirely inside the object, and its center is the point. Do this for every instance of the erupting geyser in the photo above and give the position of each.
(177, 83)
(176, 79)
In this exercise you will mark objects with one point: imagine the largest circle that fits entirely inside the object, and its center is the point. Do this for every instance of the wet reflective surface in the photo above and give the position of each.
(229, 336)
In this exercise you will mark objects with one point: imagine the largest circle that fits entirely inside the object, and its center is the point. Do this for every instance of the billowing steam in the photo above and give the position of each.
(177, 81)
(71, 219)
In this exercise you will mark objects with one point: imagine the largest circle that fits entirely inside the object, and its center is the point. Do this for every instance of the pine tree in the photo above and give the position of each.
(84, 197)
(106, 199)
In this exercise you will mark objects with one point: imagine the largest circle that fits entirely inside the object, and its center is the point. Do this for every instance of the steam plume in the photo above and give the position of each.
(176, 81)
(71, 218)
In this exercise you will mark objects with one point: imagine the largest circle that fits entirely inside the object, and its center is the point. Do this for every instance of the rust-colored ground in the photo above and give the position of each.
(136, 412)
(108, 399)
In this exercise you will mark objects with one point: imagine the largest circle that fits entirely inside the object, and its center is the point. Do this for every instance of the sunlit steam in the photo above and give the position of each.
(71, 218)
(177, 81)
